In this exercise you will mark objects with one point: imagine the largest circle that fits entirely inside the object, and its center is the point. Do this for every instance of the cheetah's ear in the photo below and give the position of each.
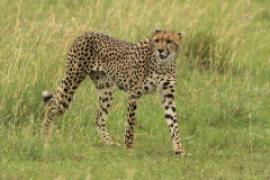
(181, 35)
(157, 30)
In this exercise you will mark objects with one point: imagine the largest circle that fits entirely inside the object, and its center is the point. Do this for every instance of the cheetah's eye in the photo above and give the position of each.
(156, 40)
(169, 41)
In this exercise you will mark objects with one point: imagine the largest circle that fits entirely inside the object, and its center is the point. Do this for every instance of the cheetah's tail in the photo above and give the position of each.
(46, 95)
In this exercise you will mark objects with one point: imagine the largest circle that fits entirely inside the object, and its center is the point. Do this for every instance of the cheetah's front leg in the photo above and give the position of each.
(168, 102)
(129, 130)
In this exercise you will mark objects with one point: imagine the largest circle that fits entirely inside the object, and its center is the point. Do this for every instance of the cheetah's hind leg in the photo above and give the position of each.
(105, 89)
(59, 101)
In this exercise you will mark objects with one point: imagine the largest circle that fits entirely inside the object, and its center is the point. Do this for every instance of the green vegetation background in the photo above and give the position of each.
(222, 91)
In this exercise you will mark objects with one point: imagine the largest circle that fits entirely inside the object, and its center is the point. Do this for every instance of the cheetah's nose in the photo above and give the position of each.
(160, 50)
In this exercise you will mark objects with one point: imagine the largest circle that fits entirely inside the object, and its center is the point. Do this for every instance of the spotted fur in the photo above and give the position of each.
(135, 68)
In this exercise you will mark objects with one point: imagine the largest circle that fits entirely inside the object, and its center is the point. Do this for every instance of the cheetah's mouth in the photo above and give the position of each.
(163, 56)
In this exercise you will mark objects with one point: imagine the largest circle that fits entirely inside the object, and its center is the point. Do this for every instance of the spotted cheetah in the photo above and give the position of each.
(136, 68)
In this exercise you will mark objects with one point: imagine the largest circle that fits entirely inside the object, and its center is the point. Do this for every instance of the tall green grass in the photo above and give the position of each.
(222, 93)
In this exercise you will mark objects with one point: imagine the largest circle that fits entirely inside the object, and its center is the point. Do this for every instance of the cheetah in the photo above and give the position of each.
(136, 68)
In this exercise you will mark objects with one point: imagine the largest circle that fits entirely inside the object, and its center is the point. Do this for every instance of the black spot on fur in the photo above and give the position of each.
(64, 104)
(165, 85)
(168, 116)
(169, 96)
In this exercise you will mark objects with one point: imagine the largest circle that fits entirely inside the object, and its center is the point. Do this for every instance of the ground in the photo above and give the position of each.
(222, 92)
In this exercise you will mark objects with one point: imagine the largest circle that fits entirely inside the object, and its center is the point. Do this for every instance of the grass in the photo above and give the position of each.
(222, 93)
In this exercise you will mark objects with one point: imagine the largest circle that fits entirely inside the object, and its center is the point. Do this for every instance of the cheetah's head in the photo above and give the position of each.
(166, 44)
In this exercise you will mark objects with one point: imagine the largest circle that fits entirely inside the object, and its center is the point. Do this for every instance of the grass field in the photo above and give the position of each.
(222, 95)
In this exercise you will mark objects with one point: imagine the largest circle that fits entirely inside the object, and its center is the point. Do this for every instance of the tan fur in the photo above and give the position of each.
(135, 68)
